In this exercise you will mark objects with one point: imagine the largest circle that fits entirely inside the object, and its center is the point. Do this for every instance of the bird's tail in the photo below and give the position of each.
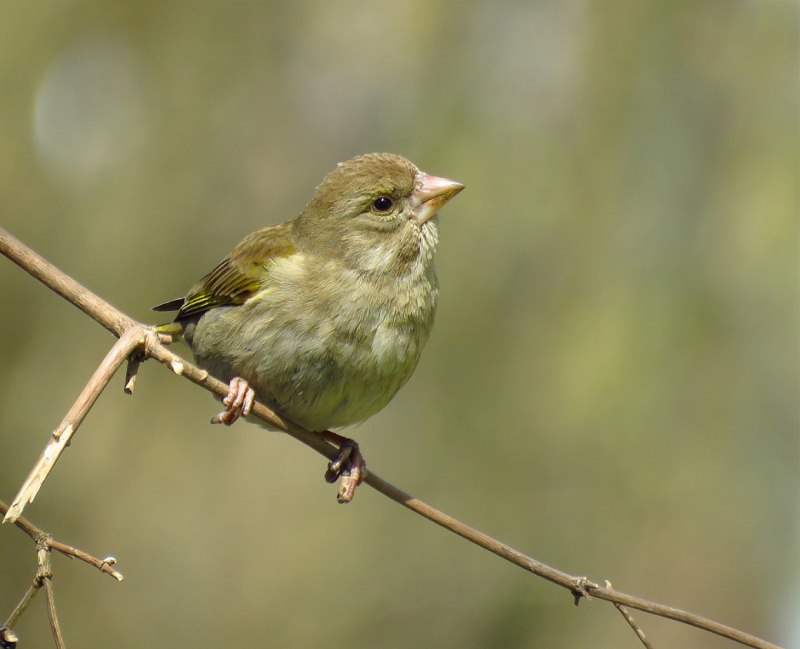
(172, 329)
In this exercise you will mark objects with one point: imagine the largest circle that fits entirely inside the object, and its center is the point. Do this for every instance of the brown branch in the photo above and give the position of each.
(39, 536)
(20, 608)
(118, 323)
(44, 576)
(631, 622)
(92, 305)
(61, 437)
(55, 627)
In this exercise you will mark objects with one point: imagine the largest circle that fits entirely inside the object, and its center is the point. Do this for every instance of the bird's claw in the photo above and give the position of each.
(349, 467)
(238, 402)
(335, 467)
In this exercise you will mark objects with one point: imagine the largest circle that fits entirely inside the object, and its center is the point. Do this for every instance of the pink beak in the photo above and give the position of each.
(431, 194)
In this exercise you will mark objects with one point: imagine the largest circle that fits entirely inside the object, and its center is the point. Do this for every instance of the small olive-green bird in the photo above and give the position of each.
(323, 318)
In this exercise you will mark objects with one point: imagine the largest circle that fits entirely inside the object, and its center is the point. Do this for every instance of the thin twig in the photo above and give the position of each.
(23, 605)
(636, 628)
(118, 323)
(61, 437)
(631, 622)
(73, 292)
(55, 627)
(45, 577)
(103, 565)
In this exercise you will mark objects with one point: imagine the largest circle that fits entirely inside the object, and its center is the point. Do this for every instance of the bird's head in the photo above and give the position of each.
(376, 212)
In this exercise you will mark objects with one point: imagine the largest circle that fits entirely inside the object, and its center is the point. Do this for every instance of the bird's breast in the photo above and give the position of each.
(325, 349)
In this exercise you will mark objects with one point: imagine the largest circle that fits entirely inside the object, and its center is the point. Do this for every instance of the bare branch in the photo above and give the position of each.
(44, 576)
(23, 605)
(631, 622)
(47, 580)
(55, 627)
(73, 292)
(636, 628)
(38, 535)
(118, 323)
(62, 435)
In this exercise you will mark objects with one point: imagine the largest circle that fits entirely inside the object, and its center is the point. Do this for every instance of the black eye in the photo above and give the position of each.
(382, 204)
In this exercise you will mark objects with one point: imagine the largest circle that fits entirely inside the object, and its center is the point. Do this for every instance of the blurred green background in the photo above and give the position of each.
(612, 382)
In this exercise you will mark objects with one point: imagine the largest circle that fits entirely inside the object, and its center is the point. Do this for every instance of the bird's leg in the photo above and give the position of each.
(239, 402)
(349, 465)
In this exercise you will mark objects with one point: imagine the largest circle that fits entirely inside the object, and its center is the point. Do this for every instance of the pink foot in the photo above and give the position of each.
(349, 465)
(239, 402)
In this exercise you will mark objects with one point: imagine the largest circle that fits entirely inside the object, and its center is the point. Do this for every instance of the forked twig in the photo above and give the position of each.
(44, 544)
(38, 535)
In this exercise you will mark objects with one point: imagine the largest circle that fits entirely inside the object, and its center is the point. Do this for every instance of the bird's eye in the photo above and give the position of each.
(382, 204)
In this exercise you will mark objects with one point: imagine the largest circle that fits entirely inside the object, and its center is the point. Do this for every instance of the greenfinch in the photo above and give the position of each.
(323, 317)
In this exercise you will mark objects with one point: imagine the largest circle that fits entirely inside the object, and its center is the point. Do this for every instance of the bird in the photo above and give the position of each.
(323, 317)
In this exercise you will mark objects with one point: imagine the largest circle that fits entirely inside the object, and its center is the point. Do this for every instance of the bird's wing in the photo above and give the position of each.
(244, 272)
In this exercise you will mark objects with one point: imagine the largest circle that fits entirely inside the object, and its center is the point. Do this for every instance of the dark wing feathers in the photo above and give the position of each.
(172, 305)
(239, 276)
(227, 285)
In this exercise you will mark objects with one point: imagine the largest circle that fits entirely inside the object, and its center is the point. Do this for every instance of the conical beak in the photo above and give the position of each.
(431, 194)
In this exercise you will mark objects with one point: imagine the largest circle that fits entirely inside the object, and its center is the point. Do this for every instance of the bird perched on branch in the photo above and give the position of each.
(323, 317)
